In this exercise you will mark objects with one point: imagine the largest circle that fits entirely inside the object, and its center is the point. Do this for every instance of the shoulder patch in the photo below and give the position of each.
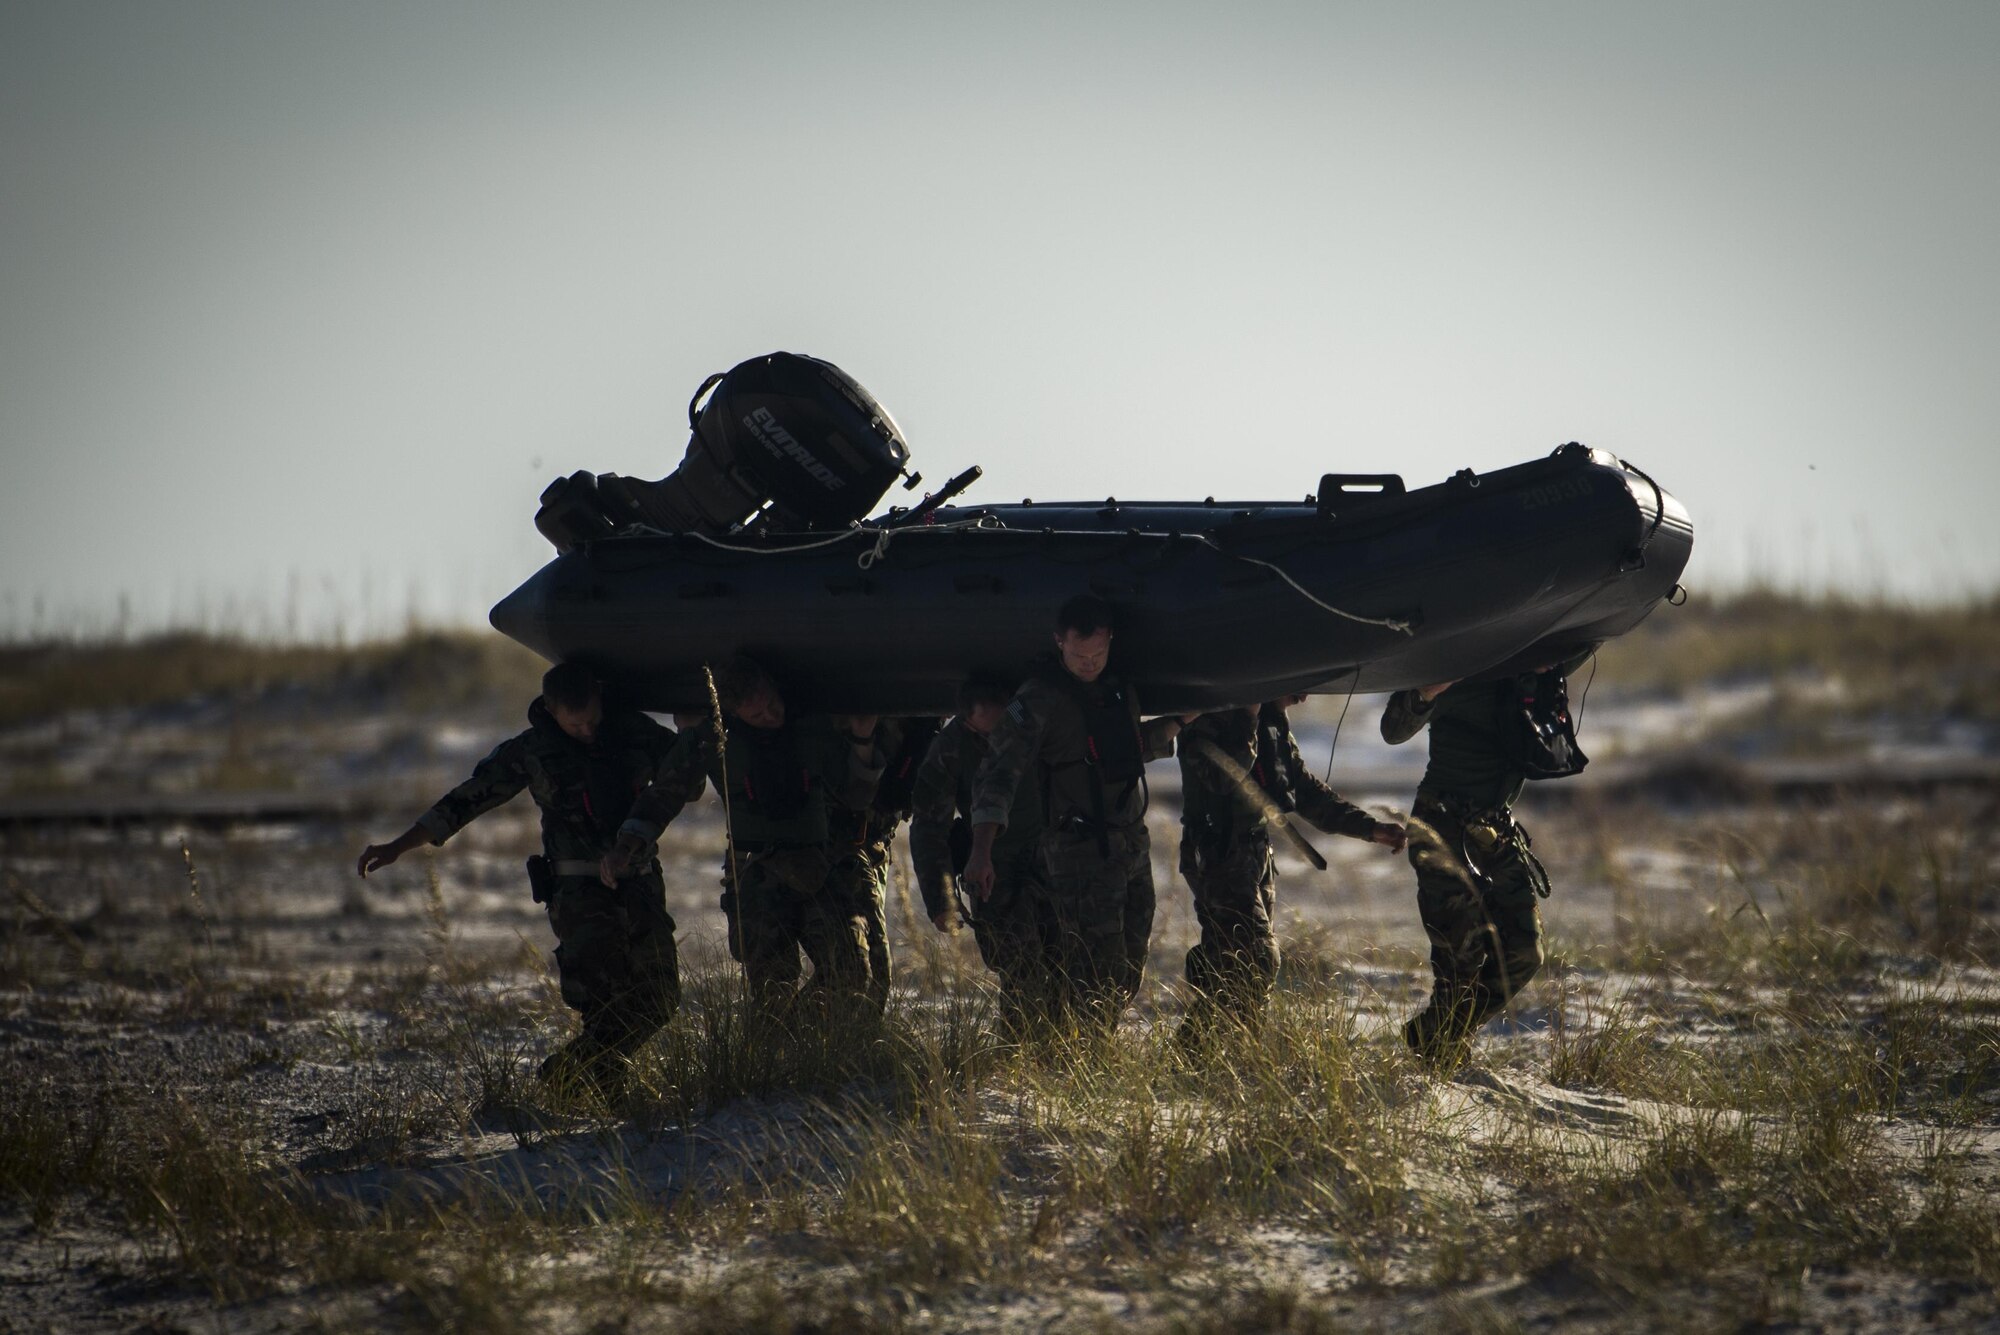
(1017, 709)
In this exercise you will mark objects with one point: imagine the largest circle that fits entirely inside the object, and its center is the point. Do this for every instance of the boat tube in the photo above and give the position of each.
(1364, 587)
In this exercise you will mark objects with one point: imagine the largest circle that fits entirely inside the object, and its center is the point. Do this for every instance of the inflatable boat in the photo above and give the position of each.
(753, 546)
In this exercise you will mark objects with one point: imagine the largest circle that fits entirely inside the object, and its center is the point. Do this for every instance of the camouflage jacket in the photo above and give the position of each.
(1046, 726)
(944, 792)
(814, 780)
(1218, 815)
(584, 791)
(902, 744)
(1471, 761)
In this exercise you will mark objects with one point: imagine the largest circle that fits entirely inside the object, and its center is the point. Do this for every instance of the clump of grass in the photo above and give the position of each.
(1916, 661)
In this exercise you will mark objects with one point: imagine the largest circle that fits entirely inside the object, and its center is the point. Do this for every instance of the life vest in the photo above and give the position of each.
(1539, 734)
(1113, 749)
(779, 802)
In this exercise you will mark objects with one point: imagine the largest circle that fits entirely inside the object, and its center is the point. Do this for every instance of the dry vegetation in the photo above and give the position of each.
(238, 1093)
(423, 670)
(1784, 1105)
(1920, 662)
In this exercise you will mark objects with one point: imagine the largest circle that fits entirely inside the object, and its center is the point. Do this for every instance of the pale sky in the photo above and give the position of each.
(302, 304)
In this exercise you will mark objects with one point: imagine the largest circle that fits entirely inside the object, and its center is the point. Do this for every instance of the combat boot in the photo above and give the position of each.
(586, 1064)
(1440, 1036)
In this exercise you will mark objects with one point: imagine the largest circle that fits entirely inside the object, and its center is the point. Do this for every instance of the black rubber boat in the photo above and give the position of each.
(1365, 586)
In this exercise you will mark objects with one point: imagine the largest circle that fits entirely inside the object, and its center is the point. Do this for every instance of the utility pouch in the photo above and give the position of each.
(541, 879)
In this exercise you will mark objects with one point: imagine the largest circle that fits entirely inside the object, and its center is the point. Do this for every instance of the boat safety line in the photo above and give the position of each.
(1659, 500)
(1387, 623)
(866, 560)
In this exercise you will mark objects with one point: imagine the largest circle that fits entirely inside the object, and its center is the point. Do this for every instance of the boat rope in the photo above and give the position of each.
(1577, 726)
(1334, 746)
(1659, 501)
(1387, 623)
(867, 559)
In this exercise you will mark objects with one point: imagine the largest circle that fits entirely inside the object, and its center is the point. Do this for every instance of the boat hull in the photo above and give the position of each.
(1498, 573)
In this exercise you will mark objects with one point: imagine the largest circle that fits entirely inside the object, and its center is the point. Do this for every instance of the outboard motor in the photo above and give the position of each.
(790, 432)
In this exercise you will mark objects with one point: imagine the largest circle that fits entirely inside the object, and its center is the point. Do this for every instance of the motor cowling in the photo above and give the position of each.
(791, 432)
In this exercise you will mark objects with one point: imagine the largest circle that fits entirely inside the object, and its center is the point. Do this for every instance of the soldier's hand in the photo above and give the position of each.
(942, 920)
(978, 875)
(1390, 835)
(375, 857)
(1433, 692)
(611, 867)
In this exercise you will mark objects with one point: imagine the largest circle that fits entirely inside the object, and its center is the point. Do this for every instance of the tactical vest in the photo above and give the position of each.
(899, 781)
(1113, 750)
(775, 800)
(593, 785)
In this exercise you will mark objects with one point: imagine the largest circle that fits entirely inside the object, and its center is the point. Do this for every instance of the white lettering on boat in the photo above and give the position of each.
(780, 441)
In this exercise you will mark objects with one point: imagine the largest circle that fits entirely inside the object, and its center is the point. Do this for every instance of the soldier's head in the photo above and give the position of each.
(981, 702)
(750, 693)
(1083, 636)
(574, 697)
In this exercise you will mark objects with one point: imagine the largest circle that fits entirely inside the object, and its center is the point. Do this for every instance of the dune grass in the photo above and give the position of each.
(1802, 1081)
(424, 669)
(1930, 662)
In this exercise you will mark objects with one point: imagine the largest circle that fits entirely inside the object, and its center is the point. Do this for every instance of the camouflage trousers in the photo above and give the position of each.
(1099, 906)
(1016, 935)
(1478, 887)
(791, 901)
(1232, 969)
(865, 878)
(616, 957)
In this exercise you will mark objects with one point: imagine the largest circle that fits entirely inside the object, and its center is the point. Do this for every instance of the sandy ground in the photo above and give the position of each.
(282, 903)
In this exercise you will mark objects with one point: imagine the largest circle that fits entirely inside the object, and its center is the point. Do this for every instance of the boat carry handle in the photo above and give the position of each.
(1337, 491)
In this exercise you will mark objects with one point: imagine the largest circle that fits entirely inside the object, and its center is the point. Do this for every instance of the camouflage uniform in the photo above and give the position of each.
(788, 789)
(615, 952)
(864, 872)
(1226, 855)
(1089, 748)
(1478, 880)
(1013, 937)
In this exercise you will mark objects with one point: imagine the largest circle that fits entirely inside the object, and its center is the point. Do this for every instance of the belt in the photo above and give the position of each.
(1074, 824)
(577, 866)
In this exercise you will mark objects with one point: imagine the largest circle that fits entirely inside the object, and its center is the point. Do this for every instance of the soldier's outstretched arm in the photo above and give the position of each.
(377, 856)
(495, 779)
(1320, 804)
